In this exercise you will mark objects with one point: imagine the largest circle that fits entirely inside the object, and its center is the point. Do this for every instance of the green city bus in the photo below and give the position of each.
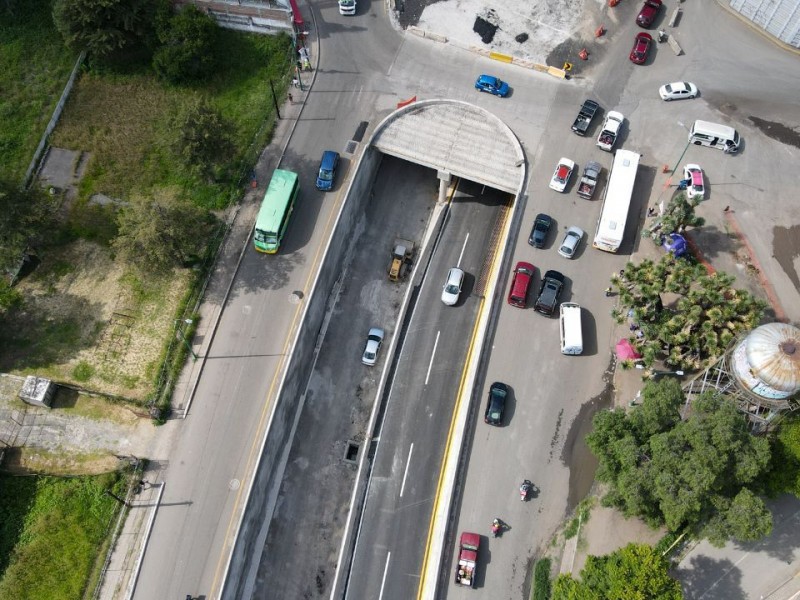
(276, 208)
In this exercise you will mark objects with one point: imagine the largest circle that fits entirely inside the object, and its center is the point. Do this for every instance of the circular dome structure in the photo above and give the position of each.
(767, 361)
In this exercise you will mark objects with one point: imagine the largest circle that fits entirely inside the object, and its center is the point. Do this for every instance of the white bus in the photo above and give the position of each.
(616, 201)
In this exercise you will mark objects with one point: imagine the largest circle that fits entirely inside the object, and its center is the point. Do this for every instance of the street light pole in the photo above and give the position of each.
(183, 337)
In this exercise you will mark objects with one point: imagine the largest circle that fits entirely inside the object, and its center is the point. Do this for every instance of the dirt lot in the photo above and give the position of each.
(87, 321)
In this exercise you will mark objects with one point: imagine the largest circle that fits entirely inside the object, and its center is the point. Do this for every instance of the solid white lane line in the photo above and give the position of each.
(405, 474)
(385, 572)
(433, 355)
(464, 247)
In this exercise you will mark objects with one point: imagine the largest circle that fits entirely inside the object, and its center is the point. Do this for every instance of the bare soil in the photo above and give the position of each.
(89, 322)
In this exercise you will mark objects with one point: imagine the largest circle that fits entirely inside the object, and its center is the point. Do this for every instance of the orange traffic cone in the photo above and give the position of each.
(599, 31)
(583, 54)
(613, 2)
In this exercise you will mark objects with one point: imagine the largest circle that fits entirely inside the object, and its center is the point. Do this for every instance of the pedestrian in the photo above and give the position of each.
(296, 82)
(726, 209)
(651, 211)
(609, 291)
(291, 99)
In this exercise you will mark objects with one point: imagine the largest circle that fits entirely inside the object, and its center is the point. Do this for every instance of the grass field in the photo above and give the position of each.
(53, 534)
(124, 121)
(35, 67)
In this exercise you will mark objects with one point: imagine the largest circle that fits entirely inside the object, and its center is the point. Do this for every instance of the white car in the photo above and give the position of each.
(374, 340)
(562, 174)
(695, 187)
(572, 238)
(347, 7)
(452, 286)
(677, 91)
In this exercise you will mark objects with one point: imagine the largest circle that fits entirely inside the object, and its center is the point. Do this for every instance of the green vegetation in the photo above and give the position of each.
(635, 571)
(52, 533)
(35, 68)
(581, 516)
(784, 476)
(700, 474)
(127, 123)
(695, 328)
(678, 215)
(541, 580)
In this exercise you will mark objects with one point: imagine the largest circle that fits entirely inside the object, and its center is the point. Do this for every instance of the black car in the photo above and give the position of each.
(539, 231)
(496, 403)
(552, 284)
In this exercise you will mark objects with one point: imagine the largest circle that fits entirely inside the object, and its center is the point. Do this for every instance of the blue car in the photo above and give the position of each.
(327, 170)
(488, 83)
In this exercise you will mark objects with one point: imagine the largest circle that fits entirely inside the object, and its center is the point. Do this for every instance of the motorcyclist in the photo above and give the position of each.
(525, 488)
(496, 527)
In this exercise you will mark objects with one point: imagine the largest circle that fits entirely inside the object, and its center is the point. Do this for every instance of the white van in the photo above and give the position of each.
(714, 135)
(571, 333)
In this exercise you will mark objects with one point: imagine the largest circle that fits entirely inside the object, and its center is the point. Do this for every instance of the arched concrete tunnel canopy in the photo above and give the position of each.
(455, 137)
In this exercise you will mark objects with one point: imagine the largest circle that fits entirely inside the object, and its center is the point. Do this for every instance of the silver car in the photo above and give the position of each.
(452, 286)
(374, 340)
(572, 238)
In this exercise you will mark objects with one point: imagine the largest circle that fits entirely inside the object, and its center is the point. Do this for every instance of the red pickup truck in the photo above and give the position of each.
(467, 559)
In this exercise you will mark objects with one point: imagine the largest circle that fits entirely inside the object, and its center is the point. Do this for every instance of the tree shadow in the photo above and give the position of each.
(702, 575)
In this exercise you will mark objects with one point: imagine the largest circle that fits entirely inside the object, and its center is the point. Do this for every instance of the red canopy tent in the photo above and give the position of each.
(625, 350)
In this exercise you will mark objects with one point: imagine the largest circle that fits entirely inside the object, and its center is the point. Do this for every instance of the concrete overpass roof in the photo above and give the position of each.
(455, 137)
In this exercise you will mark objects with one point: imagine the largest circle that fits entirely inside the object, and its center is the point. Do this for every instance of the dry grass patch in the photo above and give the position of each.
(88, 321)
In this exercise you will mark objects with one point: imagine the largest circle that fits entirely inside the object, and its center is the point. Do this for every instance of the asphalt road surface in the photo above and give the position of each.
(365, 69)
(424, 390)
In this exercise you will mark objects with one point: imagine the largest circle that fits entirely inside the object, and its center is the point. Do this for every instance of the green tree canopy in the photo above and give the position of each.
(159, 234)
(105, 27)
(696, 474)
(635, 572)
(678, 216)
(704, 314)
(25, 216)
(186, 53)
(204, 138)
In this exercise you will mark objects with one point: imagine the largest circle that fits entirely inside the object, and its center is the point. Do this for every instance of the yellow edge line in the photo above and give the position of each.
(257, 441)
(449, 442)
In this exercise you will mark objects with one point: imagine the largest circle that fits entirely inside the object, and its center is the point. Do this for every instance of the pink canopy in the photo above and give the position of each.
(626, 351)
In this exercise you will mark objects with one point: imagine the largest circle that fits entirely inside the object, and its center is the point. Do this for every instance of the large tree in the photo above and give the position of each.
(698, 474)
(187, 41)
(25, 217)
(106, 27)
(204, 138)
(686, 315)
(636, 571)
(160, 233)
(678, 215)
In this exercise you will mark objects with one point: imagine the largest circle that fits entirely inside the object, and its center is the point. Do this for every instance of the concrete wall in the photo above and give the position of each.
(263, 494)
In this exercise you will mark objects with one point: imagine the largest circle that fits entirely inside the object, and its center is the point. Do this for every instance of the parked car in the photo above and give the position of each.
(562, 174)
(552, 284)
(452, 286)
(374, 341)
(641, 48)
(648, 13)
(539, 231)
(695, 187)
(520, 282)
(496, 403)
(677, 91)
(572, 238)
(327, 170)
(492, 85)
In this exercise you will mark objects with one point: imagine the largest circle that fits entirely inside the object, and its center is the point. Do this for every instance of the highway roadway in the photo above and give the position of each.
(424, 390)
(365, 69)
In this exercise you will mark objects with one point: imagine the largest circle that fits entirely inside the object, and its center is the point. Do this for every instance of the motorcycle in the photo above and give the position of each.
(525, 490)
(497, 527)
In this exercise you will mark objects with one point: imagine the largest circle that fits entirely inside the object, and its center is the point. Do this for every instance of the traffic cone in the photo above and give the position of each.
(583, 54)
(613, 2)
(599, 31)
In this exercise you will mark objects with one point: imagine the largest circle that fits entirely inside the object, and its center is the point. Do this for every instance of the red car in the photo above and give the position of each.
(648, 13)
(518, 294)
(641, 47)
